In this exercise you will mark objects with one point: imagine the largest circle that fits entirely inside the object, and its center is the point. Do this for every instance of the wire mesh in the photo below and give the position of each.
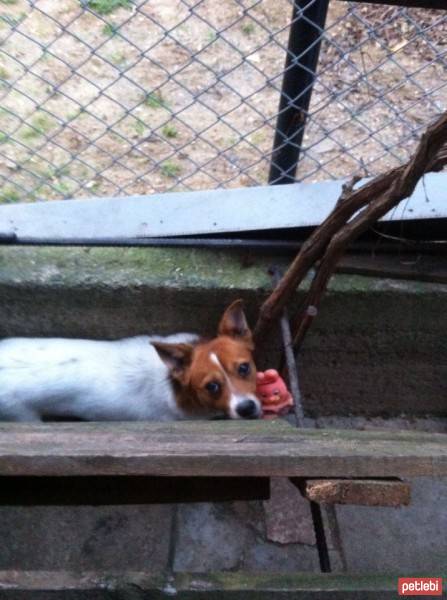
(114, 97)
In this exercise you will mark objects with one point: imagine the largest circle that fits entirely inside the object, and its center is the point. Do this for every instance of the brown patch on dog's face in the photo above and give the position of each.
(222, 375)
(219, 376)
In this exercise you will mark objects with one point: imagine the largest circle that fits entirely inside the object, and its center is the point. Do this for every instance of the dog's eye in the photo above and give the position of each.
(213, 387)
(244, 369)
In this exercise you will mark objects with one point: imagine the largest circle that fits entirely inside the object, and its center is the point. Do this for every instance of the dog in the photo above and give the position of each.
(139, 378)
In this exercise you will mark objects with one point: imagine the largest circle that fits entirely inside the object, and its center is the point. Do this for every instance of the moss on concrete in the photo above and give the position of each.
(286, 582)
(177, 267)
(186, 586)
(117, 267)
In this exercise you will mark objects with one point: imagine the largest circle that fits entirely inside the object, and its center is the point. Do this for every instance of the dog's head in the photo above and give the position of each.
(217, 376)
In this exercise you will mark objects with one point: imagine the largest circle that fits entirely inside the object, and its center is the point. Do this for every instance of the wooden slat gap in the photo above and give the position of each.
(128, 490)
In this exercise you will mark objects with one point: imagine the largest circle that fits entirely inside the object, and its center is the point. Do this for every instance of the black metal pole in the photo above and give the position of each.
(317, 516)
(320, 536)
(308, 21)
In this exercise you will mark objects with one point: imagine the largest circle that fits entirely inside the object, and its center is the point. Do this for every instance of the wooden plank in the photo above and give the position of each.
(38, 585)
(217, 449)
(360, 492)
(98, 491)
(439, 4)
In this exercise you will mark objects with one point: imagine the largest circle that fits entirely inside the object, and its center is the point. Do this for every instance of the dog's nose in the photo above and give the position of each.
(247, 409)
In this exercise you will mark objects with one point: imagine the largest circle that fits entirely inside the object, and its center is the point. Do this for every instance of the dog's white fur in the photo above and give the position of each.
(92, 380)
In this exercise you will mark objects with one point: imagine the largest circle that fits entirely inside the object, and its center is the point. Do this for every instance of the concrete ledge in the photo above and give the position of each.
(377, 347)
(220, 586)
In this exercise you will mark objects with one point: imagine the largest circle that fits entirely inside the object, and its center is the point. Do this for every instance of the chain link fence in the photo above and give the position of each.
(114, 97)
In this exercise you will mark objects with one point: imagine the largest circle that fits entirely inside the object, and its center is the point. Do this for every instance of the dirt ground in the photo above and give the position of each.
(113, 97)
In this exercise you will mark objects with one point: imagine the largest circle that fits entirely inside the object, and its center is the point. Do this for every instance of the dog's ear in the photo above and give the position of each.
(177, 357)
(234, 323)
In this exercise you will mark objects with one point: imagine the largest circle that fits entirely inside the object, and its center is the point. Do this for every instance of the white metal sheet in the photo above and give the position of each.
(195, 213)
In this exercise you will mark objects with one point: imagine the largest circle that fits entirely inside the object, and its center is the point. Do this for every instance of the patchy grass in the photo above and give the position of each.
(156, 100)
(109, 30)
(248, 28)
(232, 140)
(4, 74)
(3, 138)
(105, 7)
(52, 181)
(40, 125)
(169, 131)
(140, 127)
(93, 186)
(60, 172)
(8, 1)
(257, 138)
(211, 36)
(9, 195)
(12, 21)
(118, 58)
(73, 115)
(170, 169)
(62, 187)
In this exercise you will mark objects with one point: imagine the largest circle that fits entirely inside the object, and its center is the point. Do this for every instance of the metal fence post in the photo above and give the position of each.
(308, 21)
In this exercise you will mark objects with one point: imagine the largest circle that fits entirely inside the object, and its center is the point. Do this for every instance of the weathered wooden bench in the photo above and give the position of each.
(125, 463)
(248, 449)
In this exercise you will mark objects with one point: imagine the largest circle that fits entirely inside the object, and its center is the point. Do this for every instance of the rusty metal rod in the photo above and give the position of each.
(317, 516)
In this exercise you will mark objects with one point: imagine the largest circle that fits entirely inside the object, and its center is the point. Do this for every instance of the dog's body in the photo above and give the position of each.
(139, 378)
(123, 380)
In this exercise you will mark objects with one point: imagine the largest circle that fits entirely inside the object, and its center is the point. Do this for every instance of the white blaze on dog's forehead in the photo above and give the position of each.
(215, 360)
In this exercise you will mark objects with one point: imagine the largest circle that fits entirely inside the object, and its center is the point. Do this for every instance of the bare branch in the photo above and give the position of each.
(343, 225)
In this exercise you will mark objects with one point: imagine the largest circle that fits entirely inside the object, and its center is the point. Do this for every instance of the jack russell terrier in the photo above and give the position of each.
(138, 378)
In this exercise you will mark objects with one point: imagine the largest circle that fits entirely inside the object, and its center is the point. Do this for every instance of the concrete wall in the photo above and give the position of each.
(254, 536)
(376, 349)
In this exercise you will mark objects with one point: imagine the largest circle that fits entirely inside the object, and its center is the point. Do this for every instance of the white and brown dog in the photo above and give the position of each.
(138, 378)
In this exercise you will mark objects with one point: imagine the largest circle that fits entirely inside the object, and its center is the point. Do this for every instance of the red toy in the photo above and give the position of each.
(272, 392)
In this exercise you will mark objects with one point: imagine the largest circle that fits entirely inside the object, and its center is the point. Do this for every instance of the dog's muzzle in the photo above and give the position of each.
(248, 409)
